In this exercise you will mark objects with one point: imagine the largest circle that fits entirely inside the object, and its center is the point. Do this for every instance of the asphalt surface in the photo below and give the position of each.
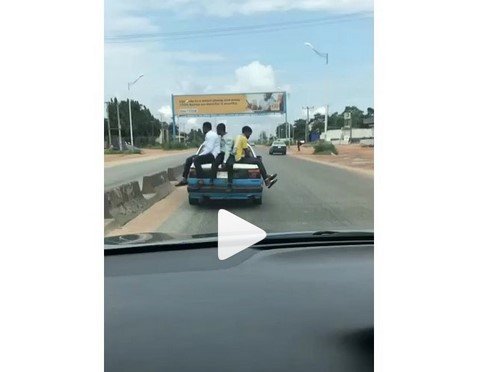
(308, 196)
(124, 173)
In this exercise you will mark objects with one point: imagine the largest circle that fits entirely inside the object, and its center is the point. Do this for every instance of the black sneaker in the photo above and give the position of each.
(183, 182)
(270, 183)
(271, 177)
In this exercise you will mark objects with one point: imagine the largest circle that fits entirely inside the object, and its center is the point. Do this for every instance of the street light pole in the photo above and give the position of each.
(325, 56)
(308, 108)
(130, 108)
(120, 144)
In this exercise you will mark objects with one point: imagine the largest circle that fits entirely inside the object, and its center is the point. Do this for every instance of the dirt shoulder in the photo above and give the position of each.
(350, 157)
(111, 160)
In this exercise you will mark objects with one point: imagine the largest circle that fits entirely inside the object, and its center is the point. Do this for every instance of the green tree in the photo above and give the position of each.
(195, 137)
(262, 137)
(356, 114)
(145, 126)
(318, 123)
(336, 121)
(281, 130)
(299, 129)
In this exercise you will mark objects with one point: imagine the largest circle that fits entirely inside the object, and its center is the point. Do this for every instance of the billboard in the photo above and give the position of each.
(229, 104)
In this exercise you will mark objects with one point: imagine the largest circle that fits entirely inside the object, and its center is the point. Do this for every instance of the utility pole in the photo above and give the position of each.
(120, 145)
(130, 108)
(308, 108)
(162, 129)
(324, 56)
(326, 121)
(108, 126)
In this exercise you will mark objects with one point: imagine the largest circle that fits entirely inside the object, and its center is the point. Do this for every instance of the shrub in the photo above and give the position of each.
(127, 152)
(324, 148)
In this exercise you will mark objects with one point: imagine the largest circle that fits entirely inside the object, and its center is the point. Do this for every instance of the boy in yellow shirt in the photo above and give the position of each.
(241, 154)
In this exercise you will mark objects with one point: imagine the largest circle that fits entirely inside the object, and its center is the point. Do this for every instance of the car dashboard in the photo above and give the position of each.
(300, 308)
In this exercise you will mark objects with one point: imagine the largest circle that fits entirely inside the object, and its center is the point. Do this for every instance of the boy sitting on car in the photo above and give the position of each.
(221, 131)
(210, 150)
(241, 154)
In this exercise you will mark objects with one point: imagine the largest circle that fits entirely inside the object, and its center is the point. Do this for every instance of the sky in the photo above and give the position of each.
(249, 60)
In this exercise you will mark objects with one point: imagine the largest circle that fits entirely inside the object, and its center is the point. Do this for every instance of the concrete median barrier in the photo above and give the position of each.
(156, 186)
(175, 172)
(124, 200)
(152, 182)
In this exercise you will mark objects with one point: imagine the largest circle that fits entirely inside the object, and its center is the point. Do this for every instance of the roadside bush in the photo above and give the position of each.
(127, 152)
(324, 148)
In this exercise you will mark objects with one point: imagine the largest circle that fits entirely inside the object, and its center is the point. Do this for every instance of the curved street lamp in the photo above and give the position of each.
(325, 56)
(130, 107)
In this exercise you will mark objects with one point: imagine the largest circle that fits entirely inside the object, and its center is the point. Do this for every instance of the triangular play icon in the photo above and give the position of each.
(235, 234)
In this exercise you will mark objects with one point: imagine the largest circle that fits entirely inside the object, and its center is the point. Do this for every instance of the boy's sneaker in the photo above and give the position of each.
(183, 182)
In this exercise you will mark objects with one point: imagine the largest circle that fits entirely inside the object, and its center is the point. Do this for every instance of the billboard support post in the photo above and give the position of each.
(287, 126)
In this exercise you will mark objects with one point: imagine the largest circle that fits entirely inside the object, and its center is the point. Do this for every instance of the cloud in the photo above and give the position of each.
(319, 110)
(254, 77)
(166, 112)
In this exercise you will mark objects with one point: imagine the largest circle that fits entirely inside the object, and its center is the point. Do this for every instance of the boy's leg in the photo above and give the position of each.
(186, 170)
(216, 164)
(202, 159)
(266, 177)
(229, 164)
(257, 162)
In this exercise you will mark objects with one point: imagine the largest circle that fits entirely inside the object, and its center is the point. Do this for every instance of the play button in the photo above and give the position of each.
(235, 234)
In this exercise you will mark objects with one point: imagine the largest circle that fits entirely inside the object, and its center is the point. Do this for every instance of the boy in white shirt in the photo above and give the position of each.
(210, 150)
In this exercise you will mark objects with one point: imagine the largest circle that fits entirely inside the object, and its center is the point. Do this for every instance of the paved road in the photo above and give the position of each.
(307, 196)
(120, 174)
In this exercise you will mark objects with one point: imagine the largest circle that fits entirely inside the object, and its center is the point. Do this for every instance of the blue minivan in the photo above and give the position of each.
(247, 184)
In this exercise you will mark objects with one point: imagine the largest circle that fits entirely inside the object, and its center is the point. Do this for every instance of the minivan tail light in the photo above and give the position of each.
(254, 173)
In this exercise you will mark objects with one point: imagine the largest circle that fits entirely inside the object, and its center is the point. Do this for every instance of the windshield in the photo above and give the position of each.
(199, 94)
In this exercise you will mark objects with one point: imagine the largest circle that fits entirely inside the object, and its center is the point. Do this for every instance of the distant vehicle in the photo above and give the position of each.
(247, 183)
(278, 147)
